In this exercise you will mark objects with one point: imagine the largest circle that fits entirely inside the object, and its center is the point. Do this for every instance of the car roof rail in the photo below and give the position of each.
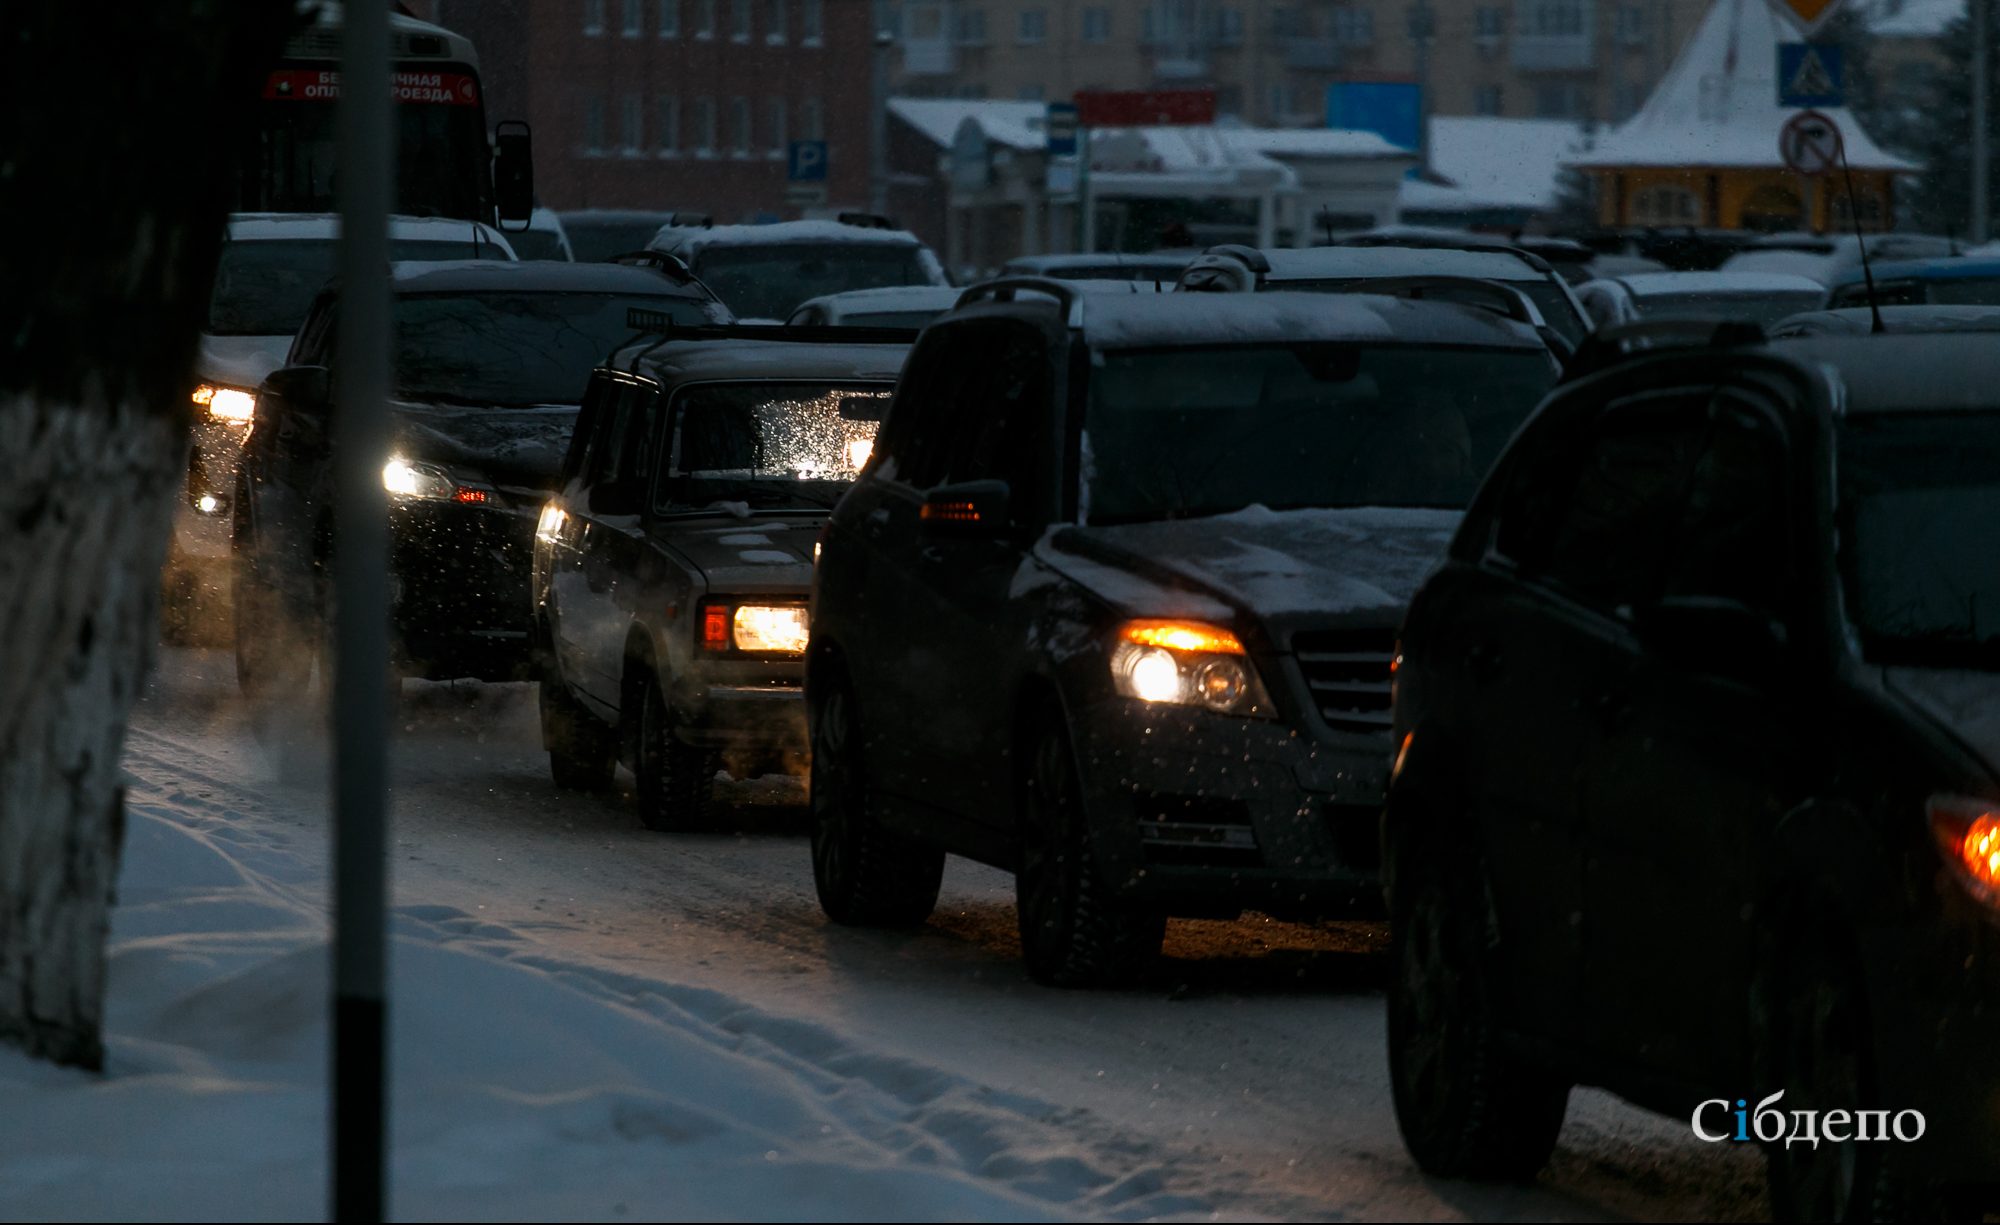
(1009, 289)
(696, 221)
(651, 322)
(1609, 346)
(867, 221)
(1250, 257)
(663, 262)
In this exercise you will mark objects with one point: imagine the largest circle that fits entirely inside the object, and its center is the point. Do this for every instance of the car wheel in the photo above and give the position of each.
(865, 875)
(1815, 1046)
(583, 752)
(274, 653)
(1072, 933)
(1466, 1108)
(676, 781)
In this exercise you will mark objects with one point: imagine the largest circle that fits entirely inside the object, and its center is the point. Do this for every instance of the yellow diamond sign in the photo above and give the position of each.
(1807, 14)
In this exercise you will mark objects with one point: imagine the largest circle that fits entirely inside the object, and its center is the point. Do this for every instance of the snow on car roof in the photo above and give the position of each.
(888, 298)
(535, 276)
(1150, 320)
(685, 240)
(1648, 284)
(1056, 265)
(687, 361)
(1334, 263)
(1903, 373)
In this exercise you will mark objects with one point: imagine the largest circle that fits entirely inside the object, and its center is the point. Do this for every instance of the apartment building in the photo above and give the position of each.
(1271, 62)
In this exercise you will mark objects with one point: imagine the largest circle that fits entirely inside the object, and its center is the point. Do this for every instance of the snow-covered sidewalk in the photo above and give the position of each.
(524, 1085)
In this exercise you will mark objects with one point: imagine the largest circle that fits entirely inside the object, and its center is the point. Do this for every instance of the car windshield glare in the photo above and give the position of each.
(769, 282)
(1185, 432)
(265, 288)
(515, 348)
(1920, 493)
(767, 443)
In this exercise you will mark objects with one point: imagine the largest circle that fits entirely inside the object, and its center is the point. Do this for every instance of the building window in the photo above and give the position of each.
(1287, 22)
(971, 30)
(593, 124)
(923, 22)
(593, 17)
(812, 22)
(1626, 99)
(1353, 27)
(1629, 26)
(1097, 25)
(670, 18)
(812, 119)
(1560, 100)
(1557, 17)
(739, 127)
(1031, 93)
(631, 125)
(1666, 206)
(635, 18)
(704, 18)
(667, 130)
(739, 20)
(774, 20)
(1034, 26)
(775, 125)
(1489, 21)
(1486, 100)
(1229, 27)
(704, 127)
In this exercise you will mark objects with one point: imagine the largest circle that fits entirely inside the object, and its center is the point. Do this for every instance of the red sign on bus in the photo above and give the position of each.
(1143, 108)
(320, 85)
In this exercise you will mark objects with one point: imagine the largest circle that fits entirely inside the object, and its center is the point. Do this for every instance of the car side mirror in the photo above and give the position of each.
(971, 510)
(513, 173)
(308, 387)
(1721, 637)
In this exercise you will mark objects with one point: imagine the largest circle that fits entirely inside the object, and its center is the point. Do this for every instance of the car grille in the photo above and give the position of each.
(1347, 672)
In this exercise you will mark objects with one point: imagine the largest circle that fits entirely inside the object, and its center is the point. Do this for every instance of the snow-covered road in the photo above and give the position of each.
(1246, 1079)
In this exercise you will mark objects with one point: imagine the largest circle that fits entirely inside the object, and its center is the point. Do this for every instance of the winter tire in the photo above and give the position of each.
(1466, 1107)
(1072, 933)
(583, 752)
(865, 875)
(676, 781)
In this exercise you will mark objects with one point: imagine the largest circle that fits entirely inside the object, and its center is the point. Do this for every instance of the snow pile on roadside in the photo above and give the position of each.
(524, 1086)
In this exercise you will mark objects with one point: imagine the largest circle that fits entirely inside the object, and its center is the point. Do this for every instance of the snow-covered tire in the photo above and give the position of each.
(676, 780)
(274, 652)
(866, 876)
(583, 751)
(1467, 1108)
(1072, 933)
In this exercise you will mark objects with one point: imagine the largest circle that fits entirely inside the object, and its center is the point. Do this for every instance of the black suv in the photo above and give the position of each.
(671, 571)
(1114, 603)
(1697, 787)
(491, 360)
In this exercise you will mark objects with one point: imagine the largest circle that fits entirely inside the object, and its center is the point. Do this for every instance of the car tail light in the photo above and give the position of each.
(1968, 835)
(715, 627)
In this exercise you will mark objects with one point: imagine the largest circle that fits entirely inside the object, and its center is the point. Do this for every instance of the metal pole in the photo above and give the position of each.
(1086, 208)
(1982, 69)
(1423, 25)
(360, 616)
(878, 135)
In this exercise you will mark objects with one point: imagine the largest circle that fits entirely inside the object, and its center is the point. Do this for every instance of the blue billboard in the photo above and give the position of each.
(1392, 110)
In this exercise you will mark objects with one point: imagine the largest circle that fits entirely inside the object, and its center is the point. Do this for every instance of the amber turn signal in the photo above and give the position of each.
(1182, 636)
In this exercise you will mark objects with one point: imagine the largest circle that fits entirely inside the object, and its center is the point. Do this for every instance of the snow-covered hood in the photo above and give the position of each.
(1964, 701)
(1269, 564)
(509, 446)
(240, 361)
(749, 556)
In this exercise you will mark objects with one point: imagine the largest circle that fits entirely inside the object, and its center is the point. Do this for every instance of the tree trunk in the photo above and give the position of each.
(87, 507)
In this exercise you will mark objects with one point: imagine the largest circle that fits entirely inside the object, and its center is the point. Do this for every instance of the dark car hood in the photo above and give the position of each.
(509, 446)
(762, 554)
(1270, 564)
(1965, 701)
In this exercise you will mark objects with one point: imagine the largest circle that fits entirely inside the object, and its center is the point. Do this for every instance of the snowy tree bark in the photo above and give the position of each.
(116, 140)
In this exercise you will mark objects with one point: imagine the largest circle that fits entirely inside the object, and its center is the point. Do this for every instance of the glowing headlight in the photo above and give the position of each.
(779, 629)
(1186, 663)
(226, 403)
(407, 479)
(548, 525)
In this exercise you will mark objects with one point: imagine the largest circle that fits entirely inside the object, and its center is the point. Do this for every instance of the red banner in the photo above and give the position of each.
(320, 85)
(1145, 108)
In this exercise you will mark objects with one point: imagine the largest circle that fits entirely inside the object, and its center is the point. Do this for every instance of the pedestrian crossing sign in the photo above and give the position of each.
(1809, 74)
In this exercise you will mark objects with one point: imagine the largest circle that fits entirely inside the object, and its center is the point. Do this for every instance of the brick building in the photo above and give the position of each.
(679, 104)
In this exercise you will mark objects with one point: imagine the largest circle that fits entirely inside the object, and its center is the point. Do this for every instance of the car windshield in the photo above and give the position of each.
(1548, 296)
(593, 242)
(265, 288)
(1919, 495)
(1754, 307)
(515, 348)
(770, 445)
(1179, 433)
(537, 244)
(769, 282)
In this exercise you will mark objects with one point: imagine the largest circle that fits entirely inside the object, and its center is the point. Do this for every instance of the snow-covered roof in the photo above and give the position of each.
(1912, 18)
(1494, 163)
(1718, 284)
(1310, 142)
(1145, 320)
(1174, 161)
(1019, 125)
(686, 240)
(1718, 104)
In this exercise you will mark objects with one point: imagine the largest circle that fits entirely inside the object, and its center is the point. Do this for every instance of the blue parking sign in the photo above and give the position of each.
(808, 162)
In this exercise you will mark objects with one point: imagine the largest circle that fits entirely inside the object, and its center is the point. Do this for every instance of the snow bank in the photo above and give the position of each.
(525, 1085)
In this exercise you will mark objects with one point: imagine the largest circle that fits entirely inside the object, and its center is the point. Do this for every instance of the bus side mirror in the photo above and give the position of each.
(513, 173)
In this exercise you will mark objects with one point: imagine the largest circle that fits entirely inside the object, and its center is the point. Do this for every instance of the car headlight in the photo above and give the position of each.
(1968, 834)
(762, 629)
(230, 404)
(409, 479)
(549, 524)
(1186, 663)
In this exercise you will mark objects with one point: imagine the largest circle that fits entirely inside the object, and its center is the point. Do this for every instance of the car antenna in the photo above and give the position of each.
(1875, 327)
(475, 239)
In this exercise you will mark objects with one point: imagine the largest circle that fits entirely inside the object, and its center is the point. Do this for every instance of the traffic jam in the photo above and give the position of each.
(1589, 621)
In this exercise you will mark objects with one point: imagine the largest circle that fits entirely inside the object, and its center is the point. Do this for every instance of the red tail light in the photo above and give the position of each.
(715, 627)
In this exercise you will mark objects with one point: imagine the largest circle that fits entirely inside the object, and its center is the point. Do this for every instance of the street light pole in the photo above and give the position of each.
(360, 611)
